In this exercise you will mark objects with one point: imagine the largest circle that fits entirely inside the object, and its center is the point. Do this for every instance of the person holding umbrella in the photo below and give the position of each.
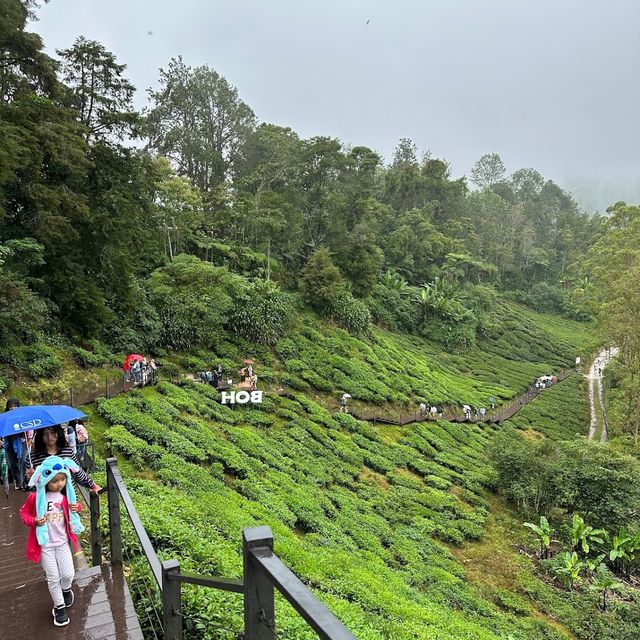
(4, 470)
(343, 403)
(51, 441)
(15, 447)
(50, 438)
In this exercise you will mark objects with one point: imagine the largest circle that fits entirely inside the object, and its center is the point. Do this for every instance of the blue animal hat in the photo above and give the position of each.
(49, 469)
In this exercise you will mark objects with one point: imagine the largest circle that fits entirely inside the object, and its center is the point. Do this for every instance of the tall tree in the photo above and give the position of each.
(178, 208)
(488, 170)
(98, 91)
(198, 121)
(24, 67)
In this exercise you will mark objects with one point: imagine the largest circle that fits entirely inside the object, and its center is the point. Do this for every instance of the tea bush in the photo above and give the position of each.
(365, 515)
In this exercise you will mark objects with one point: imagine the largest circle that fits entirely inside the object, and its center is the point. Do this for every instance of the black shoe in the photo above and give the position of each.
(68, 598)
(60, 616)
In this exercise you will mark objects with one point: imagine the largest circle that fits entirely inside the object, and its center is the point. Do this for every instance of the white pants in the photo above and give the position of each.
(57, 563)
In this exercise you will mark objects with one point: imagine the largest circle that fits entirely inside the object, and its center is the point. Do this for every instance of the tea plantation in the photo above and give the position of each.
(366, 516)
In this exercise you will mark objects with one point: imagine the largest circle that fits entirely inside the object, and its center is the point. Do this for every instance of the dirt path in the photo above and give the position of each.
(595, 386)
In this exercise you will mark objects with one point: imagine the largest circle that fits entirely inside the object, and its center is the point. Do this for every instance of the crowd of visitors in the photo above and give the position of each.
(471, 413)
(139, 370)
(248, 378)
(23, 452)
(545, 381)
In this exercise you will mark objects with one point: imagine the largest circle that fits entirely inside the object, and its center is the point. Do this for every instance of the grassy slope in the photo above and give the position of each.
(560, 412)
(367, 516)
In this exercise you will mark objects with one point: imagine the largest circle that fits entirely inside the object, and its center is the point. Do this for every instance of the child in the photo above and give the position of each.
(52, 514)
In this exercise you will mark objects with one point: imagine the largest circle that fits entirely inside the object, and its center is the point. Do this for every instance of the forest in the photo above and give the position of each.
(193, 231)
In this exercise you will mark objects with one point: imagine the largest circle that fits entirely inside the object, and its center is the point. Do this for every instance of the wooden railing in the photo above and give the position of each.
(263, 573)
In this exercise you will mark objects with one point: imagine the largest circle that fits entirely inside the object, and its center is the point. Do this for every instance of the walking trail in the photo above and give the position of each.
(595, 382)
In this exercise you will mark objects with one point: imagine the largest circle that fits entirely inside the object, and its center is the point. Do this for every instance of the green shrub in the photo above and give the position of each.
(37, 360)
(350, 313)
(453, 336)
(261, 313)
(321, 282)
(88, 359)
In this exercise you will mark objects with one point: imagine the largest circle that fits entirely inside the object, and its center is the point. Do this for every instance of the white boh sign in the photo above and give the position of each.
(241, 397)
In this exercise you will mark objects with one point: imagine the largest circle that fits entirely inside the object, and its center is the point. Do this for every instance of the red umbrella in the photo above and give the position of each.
(133, 357)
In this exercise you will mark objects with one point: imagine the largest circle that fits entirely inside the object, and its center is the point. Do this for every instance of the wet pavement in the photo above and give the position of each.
(102, 610)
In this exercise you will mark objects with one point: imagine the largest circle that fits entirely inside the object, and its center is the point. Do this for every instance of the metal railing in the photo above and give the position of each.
(263, 572)
(453, 414)
(79, 396)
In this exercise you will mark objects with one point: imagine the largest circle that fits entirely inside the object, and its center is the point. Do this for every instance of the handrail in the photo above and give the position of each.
(113, 473)
(224, 584)
(263, 572)
(321, 620)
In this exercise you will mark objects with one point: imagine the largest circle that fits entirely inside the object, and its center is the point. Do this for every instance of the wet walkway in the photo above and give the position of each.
(454, 415)
(103, 609)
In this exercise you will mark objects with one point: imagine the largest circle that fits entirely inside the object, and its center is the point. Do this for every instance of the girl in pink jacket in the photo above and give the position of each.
(52, 515)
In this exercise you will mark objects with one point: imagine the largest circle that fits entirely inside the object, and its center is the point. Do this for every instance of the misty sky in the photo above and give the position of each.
(551, 84)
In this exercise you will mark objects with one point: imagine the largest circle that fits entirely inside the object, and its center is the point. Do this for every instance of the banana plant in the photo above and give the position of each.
(583, 534)
(592, 564)
(624, 549)
(604, 582)
(543, 531)
(568, 568)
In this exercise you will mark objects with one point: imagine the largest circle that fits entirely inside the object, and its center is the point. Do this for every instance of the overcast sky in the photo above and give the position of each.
(549, 84)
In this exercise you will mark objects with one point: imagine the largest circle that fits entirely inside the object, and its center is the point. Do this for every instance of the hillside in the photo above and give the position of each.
(377, 520)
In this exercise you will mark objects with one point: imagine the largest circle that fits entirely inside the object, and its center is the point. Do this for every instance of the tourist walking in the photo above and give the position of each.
(51, 441)
(52, 515)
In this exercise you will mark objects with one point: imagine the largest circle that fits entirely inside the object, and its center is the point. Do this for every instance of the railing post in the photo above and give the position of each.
(171, 601)
(259, 606)
(71, 396)
(96, 534)
(115, 533)
(106, 388)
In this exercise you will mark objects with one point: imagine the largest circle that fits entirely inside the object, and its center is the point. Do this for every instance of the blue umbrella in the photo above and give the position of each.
(34, 417)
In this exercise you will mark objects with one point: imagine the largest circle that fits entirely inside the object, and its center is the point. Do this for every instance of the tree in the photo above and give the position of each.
(193, 299)
(605, 583)
(361, 261)
(99, 93)
(403, 183)
(266, 173)
(178, 208)
(261, 313)
(321, 283)
(567, 567)
(488, 170)
(527, 184)
(198, 121)
(24, 67)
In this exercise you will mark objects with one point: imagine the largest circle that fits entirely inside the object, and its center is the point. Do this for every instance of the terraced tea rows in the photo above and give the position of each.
(360, 513)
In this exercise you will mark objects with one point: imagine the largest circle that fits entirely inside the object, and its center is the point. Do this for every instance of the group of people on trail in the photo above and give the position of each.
(478, 413)
(212, 377)
(248, 377)
(23, 452)
(140, 371)
(45, 463)
(545, 381)
(432, 412)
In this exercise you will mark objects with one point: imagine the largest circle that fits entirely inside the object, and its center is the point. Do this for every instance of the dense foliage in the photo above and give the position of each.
(86, 221)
